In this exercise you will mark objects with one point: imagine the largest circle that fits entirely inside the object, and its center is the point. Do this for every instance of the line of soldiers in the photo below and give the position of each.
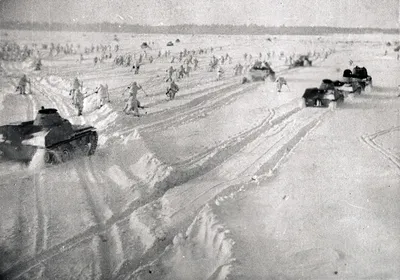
(78, 96)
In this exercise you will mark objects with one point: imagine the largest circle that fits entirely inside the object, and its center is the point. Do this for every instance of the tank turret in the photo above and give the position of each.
(48, 118)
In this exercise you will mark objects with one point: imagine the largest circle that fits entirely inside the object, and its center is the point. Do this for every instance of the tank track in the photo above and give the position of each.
(66, 151)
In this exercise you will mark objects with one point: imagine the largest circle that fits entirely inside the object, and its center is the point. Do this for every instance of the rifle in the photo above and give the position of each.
(144, 92)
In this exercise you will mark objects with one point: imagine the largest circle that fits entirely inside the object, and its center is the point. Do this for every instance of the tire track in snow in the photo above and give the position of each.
(202, 111)
(168, 116)
(100, 212)
(286, 133)
(41, 219)
(369, 140)
(98, 207)
(227, 148)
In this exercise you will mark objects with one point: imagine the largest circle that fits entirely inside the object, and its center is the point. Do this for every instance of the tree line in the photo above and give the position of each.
(251, 29)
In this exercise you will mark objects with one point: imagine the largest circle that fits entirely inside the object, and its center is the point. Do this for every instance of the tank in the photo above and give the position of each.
(358, 78)
(260, 72)
(324, 95)
(59, 139)
(302, 61)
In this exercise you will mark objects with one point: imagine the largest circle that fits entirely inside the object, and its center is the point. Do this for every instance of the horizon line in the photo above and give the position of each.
(194, 25)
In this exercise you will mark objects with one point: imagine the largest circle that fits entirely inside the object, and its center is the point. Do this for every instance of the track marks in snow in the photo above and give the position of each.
(194, 109)
(101, 213)
(369, 140)
(255, 158)
(42, 220)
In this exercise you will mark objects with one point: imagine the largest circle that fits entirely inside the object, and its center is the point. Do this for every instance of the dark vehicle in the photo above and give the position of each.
(348, 85)
(324, 96)
(302, 61)
(261, 71)
(144, 45)
(170, 44)
(358, 78)
(56, 136)
(177, 41)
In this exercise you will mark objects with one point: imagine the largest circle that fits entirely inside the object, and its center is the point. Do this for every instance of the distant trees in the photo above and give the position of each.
(251, 29)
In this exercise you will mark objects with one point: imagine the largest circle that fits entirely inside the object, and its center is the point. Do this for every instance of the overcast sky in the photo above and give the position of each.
(342, 13)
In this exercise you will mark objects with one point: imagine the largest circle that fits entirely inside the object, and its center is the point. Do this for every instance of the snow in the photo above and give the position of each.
(119, 177)
(227, 181)
(203, 252)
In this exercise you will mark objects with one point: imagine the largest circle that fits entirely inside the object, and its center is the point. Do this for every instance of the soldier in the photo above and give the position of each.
(196, 63)
(78, 101)
(188, 69)
(136, 66)
(280, 82)
(170, 72)
(172, 90)
(181, 72)
(76, 85)
(38, 64)
(220, 73)
(132, 103)
(22, 84)
(103, 94)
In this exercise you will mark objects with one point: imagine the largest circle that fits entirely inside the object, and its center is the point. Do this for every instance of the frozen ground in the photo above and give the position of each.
(228, 181)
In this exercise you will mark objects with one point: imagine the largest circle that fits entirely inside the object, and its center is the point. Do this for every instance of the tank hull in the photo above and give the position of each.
(17, 152)
(59, 139)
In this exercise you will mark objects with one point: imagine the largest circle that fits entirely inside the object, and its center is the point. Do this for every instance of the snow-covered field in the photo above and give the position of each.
(227, 181)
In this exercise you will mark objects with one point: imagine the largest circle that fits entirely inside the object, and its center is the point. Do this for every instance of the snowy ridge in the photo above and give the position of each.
(203, 252)
(151, 171)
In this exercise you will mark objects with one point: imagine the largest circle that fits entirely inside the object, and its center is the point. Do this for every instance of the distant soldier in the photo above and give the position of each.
(188, 69)
(78, 101)
(181, 72)
(136, 66)
(172, 90)
(104, 96)
(236, 70)
(280, 82)
(76, 85)
(38, 65)
(22, 84)
(170, 72)
(220, 73)
(196, 63)
(132, 103)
